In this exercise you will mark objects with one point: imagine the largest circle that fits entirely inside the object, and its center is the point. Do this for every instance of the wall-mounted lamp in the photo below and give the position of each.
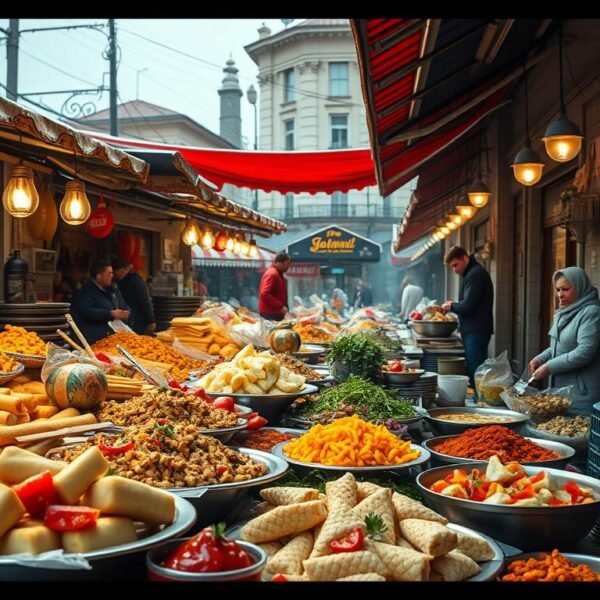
(75, 207)
(191, 233)
(527, 166)
(478, 192)
(562, 137)
(20, 197)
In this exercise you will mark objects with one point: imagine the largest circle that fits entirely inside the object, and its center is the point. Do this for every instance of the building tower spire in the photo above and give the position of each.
(230, 122)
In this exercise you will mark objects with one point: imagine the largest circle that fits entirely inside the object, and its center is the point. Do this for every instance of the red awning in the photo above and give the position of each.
(214, 258)
(309, 172)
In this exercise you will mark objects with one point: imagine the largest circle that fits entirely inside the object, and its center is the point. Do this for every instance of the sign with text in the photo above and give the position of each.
(334, 243)
(303, 270)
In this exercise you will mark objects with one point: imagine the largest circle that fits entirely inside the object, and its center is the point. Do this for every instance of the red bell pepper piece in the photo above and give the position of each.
(573, 490)
(439, 485)
(108, 450)
(62, 517)
(526, 492)
(36, 493)
(479, 490)
(353, 542)
(102, 357)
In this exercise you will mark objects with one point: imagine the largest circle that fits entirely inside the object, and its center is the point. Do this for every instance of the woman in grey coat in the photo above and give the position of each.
(573, 357)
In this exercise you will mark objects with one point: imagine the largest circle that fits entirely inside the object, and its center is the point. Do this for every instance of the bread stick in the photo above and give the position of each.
(17, 464)
(9, 434)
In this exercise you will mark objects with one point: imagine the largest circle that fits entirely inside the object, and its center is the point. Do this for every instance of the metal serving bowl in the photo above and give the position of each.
(213, 502)
(435, 328)
(525, 527)
(401, 376)
(270, 406)
(444, 427)
(566, 452)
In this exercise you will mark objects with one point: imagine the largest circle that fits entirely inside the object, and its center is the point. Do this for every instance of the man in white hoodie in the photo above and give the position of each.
(411, 296)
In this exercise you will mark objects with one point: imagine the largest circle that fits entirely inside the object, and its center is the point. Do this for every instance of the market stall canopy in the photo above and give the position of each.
(41, 140)
(427, 82)
(297, 172)
(213, 258)
(331, 243)
(172, 175)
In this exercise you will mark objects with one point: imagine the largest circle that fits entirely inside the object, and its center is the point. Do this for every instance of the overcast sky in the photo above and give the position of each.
(153, 55)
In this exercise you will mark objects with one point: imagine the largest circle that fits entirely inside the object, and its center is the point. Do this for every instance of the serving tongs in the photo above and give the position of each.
(521, 385)
(153, 379)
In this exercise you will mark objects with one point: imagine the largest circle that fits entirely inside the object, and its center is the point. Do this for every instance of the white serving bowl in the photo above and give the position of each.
(452, 390)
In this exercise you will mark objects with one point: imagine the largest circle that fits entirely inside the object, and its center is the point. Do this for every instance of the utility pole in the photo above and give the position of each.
(114, 122)
(12, 59)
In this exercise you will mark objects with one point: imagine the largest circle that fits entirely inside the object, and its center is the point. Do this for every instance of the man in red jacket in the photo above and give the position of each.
(272, 295)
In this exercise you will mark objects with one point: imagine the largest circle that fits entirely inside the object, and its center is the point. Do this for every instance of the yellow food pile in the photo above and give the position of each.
(350, 442)
(18, 339)
(205, 335)
(142, 346)
(7, 363)
(313, 333)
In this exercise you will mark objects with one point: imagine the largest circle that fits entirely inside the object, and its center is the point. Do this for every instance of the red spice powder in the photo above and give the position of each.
(483, 442)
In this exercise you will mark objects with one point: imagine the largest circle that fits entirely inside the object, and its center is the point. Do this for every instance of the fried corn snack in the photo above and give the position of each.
(288, 495)
(335, 566)
(407, 508)
(284, 520)
(429, 537)
(403, 564)
(455, 566)
(380, 503)
(289, 559)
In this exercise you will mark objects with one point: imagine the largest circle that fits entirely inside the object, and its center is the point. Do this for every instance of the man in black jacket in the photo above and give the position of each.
(474, 307)
(98, 302)
(136, 294)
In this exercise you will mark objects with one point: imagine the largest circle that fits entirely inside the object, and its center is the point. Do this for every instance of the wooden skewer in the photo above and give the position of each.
(69, 341)
(78, 333)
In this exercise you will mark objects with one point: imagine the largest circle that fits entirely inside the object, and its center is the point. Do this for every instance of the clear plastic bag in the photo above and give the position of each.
(59, 357)
(492, 377)
(539, 405)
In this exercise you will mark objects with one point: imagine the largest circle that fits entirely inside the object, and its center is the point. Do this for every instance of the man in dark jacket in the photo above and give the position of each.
(362, 295)
(474, 307)
(98, 302)
(136, 295)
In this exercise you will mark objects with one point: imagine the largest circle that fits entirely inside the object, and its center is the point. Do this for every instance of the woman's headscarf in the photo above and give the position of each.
(586, 292)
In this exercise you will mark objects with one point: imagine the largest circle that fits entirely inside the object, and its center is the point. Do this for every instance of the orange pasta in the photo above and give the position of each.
(351, 442)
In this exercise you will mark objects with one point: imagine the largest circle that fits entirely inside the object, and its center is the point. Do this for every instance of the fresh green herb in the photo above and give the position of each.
(356, 354)
(375, 526)
(110, 471)
(357, 395)
(167, 429)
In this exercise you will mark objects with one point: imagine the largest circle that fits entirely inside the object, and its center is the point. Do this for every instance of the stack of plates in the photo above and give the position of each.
(169, 307)
(42, 317)
(425, 386)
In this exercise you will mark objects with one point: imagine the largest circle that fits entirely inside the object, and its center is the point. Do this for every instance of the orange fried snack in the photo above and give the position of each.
(350, 441)
(549, 567)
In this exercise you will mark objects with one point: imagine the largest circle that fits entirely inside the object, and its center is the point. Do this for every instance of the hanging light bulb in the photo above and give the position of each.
(562, 137)
(527, 166)
(451, 225)
(191, 233)
(75, 207)
(445, 230)
(220, 241)
(253, 252)
(230, 243)
(20, 198)
(207, 239)
(466, 211)
(479, 194)
(245, 249)
(436, 236)
(237, 245)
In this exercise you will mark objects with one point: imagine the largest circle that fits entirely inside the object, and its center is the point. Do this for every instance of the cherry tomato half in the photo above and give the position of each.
(36, 493)
(351, 543)
(63, 517)
(224, 402)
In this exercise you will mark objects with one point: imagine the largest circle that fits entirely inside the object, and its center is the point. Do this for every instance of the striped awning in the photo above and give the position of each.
(214, 258)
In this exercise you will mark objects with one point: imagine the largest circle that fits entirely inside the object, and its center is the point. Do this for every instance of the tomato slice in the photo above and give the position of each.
(256, 422)
(279, 577)
(36, 493)
(351, 543)
(63, 517)
(224, 402)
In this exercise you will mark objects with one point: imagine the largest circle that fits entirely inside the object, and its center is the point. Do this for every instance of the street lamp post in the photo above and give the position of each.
(252, 96)
(137, 81)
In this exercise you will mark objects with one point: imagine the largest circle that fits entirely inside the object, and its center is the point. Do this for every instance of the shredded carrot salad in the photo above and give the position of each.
(350, 441)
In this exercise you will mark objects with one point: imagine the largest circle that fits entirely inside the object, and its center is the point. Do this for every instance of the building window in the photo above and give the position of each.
(289, 206)
(339, 131)
(288, 127)
(289, 85)
(338, 79)
(339, 204)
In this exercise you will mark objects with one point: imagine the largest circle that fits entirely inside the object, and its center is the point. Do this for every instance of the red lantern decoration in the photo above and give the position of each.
(220, 241)
(101, 221)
